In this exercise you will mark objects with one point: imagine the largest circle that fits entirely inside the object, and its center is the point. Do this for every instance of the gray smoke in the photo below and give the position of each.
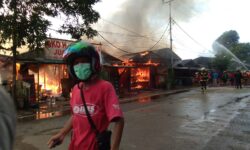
(149, 18)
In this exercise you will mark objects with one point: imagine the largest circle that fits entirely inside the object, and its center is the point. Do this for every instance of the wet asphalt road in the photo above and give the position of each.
(216, 120)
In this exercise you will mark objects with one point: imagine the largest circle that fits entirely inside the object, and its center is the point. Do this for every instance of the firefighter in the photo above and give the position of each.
(203, 79)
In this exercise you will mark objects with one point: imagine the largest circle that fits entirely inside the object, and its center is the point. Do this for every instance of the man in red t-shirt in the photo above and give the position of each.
(102, 103)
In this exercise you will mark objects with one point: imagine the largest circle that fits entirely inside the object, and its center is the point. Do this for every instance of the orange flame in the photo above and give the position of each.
(140, 77)
(50, 77)
(49, 84)
(151, 63)
(120, 70)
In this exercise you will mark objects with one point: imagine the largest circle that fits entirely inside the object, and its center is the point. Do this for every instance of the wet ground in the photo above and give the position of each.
(218, 119)
(50, 109)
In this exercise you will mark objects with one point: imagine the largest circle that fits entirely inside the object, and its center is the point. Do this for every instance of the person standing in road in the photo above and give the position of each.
(244, 77)
(215, 77)
(231, 78)
(7, 121)
(238, 77)
(224, 78)
(97, 95)
(203, 79)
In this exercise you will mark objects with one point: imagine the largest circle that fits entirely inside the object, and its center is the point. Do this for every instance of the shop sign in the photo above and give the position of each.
(54, 48)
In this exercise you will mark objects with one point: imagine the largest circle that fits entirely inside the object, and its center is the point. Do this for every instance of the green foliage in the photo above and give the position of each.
(225, 47)
(222, 61)
(229, 39)
(242, 51)
(27, 20)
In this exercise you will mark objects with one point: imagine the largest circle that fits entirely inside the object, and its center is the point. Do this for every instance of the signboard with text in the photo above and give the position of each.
(54, 48)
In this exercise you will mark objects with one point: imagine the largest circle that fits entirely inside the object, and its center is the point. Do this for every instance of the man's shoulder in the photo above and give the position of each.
(6, 102)
(7, 120)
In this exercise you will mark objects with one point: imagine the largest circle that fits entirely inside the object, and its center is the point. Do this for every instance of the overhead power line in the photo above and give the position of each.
(190, 36)
(113, 44)
(128, 30)
(104, 40)
(131, 35)
(160, 38)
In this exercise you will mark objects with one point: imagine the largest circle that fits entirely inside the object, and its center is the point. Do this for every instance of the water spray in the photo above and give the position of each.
(235, 58)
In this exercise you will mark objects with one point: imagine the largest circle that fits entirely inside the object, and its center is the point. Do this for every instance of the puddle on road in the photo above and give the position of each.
(146, 99)
(212, 110)
(237, 100)
(38, 115)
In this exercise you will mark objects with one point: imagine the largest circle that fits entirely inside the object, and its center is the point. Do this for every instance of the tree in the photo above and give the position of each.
(229, 43)
(222, 57)
(222, 61)
(222, 47)
(228, 39)
(242, 51)
(23, 22)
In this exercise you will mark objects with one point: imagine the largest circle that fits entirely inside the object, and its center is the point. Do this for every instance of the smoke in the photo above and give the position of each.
(147, 19)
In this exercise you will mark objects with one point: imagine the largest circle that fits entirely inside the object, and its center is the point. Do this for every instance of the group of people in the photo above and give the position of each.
(233, 78)
(214, 78)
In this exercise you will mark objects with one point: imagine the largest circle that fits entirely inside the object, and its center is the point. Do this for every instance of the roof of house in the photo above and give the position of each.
(157, 56)
(39, 57)
(187, 63)
(204, 61)
(108, 59)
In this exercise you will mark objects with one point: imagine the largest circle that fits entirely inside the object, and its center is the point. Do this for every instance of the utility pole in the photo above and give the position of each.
(170, 33)
(170, 77)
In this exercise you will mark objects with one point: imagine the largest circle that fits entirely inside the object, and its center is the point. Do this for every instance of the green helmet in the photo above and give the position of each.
(81, 49)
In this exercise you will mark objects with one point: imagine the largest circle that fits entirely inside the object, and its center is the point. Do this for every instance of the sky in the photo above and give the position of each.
(141, 25)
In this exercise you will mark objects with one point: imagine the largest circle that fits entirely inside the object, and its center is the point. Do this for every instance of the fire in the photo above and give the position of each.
(17, 70)
(151, 63)
(48, 84)
(140, 77)
(121, 70)
(50, 78)
(138, 87)
(128, 63)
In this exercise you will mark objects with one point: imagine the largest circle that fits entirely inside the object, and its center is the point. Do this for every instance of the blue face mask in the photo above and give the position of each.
(83, 71)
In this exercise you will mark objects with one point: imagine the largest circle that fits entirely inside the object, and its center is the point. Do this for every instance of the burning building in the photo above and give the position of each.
(46, 72)
(148, 69)
(47, 75)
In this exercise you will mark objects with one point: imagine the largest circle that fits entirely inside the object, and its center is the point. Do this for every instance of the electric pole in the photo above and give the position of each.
(170, 77)
(170, 33)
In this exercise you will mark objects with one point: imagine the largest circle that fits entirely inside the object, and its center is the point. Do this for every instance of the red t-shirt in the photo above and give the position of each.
(103, 105)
